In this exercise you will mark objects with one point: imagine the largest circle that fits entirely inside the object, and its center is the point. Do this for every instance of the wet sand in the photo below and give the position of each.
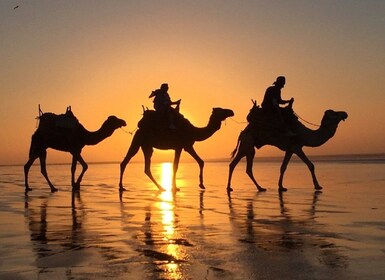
(146, 234)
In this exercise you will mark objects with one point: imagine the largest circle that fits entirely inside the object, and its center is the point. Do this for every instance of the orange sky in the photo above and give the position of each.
(105, 57)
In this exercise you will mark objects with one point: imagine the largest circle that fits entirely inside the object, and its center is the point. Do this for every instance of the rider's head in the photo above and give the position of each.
(280, 81)
(164, 87)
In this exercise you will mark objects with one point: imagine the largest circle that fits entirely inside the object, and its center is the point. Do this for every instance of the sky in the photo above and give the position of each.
(105, 57)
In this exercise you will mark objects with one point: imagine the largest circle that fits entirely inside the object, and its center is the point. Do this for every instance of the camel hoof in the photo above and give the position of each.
(28, 189)
(202, 186)
(53, 190)
(175, 189)
(229, 189)
(122, 189)
(318, 188)
(261, 189)
(282, 189)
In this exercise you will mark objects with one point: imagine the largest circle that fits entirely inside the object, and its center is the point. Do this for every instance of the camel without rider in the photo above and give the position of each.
(65, 133)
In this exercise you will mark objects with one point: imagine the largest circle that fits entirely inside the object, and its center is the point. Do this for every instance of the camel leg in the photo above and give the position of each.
(285, 162)
(75, 159)
(249, 169)
(311, 167)
(200, 162)
(43, 169)
(175, 169)
(27, 166)
(132, 151)
(73, 170)
(147, 166)
(232, 166)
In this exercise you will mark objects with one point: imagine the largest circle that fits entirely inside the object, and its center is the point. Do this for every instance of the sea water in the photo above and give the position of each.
(100, 233)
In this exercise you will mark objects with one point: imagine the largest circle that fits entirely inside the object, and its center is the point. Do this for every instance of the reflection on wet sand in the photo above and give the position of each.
(283, 234)
(190, 234)
(61, 240)
(165, 243)
(53, 238)
(161, 241)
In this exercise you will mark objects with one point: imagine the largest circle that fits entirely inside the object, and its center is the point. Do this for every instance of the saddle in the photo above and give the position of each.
(154, 120)
(51, 121)
(259, 119)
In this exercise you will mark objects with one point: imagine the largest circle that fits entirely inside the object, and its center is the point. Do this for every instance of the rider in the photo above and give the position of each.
(163, 103)
(273, 99)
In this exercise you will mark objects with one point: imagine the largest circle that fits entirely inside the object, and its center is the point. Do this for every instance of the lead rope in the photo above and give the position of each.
(295, 114)
(237, 122)
(129, 132)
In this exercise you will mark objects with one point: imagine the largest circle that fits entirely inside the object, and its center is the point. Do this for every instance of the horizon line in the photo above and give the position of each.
(328, 157)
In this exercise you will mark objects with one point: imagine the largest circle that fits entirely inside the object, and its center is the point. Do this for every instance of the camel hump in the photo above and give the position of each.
(255, 113)
(50, 120)
(149, 118)
(161, 121)
(260, 119)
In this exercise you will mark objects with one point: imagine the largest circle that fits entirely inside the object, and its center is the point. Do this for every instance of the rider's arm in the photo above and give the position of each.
(175, 102)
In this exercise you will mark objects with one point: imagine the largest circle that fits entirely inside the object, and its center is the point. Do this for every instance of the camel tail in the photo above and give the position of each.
(237, 146)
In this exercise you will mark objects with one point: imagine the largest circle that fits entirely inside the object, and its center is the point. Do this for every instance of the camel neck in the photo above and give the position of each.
(203, 133)
(95, 137)
(316, 138)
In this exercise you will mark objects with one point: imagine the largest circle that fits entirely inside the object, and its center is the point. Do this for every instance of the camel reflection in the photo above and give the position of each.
(162, 243)
(285, 232)
(53, 237)
(163, 247)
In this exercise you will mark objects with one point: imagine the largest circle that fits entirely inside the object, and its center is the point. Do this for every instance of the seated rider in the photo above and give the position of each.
(163, 103)
(272, 101)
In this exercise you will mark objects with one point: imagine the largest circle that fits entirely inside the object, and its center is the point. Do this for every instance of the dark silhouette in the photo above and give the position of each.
(163, 104)
(271, 105)
(259, 132)
(273, 99)
(65, 133)
(153, 133)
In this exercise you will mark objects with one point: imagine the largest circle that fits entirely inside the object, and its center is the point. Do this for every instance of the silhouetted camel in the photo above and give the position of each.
(151, 134)
(65, 133)
(258, 134)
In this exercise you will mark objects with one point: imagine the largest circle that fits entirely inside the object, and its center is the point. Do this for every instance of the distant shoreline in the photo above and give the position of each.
(342, 158)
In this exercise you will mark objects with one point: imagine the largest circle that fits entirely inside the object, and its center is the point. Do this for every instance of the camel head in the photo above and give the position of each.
(114, 123)
(221, 114)
(333, 117)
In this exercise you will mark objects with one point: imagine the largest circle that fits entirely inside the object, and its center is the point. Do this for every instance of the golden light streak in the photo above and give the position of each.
(166, 176)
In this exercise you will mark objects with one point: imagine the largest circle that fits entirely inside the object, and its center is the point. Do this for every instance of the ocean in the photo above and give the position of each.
(98, 233)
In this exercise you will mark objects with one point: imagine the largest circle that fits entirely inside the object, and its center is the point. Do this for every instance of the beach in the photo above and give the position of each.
(98, 233)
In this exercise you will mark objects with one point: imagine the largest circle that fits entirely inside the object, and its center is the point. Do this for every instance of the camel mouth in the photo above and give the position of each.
(344, 116)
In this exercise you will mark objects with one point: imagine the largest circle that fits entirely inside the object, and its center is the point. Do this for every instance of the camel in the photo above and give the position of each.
(152, 133)
(258, 134)
(65, 133)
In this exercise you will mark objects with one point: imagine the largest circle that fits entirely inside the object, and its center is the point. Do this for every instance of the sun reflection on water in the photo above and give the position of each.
(166, 175)
(168, 220)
